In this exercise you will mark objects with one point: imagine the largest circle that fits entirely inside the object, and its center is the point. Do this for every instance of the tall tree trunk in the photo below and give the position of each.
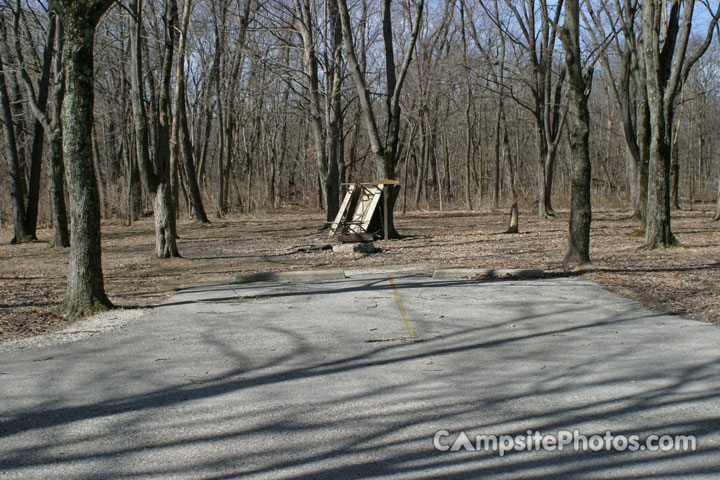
(52, 129)
(20, 234)
(717, 205)
(140, 121)
(665, 42)
(36, 153)
(385, 155)
(86, 291)
(643, 126)
(304, 14)
(165, 229)
(469, 118)
(61, 235)
(155, 178)
(579, 82)
(324, 122)
(658, 232)
(181, 131)
(334, 115)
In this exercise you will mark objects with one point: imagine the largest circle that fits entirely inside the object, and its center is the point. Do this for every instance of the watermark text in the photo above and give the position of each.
(444, 441)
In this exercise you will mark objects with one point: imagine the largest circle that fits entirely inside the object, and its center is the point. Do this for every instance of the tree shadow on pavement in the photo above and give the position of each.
(366, 410)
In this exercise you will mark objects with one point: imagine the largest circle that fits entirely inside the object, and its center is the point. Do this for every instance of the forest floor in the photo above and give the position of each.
(682, 281)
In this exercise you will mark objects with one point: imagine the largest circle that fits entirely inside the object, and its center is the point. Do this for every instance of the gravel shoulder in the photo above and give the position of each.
(99, 324)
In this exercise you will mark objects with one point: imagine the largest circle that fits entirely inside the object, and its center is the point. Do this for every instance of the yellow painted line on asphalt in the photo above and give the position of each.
(409, 328)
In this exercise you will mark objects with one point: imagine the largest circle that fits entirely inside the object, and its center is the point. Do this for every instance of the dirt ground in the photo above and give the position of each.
(682, 281)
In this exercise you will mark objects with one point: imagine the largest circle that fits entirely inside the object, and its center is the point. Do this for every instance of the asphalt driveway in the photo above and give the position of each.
(379, 375)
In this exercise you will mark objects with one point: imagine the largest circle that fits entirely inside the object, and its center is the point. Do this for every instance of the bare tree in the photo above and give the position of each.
(181, 142)
(155, 178)
(20, 233)
(385, 153)
(666, 65)
(325, 122)
(483, 104)
(629, 90)
(51, 127)
(40, 101)
(86, 290)
(537, 41)
(578, 92)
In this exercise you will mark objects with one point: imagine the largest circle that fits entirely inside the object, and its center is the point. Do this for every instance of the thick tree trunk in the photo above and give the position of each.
(578, 247)
(165, 231)
(661, 95)
(717, 207)
(155, 178)
(165, 228)
(657, 225)
(86, 291)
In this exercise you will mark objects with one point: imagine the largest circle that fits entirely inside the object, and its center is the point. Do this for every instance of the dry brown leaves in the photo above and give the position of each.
(682, 281)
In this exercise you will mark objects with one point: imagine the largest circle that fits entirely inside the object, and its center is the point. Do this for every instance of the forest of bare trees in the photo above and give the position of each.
(204, 108)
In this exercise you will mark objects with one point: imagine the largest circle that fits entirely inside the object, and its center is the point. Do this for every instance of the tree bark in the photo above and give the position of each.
(165, 229)
(334, 115)
(86, 291)
(578, 92)
(658, 231)
(667, 66)
(155, 178)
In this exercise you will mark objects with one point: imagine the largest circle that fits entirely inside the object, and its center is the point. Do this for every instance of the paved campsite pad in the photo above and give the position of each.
(351, 379)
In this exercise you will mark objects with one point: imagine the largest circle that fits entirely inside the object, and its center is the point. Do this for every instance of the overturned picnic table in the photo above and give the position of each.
(365, 209)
